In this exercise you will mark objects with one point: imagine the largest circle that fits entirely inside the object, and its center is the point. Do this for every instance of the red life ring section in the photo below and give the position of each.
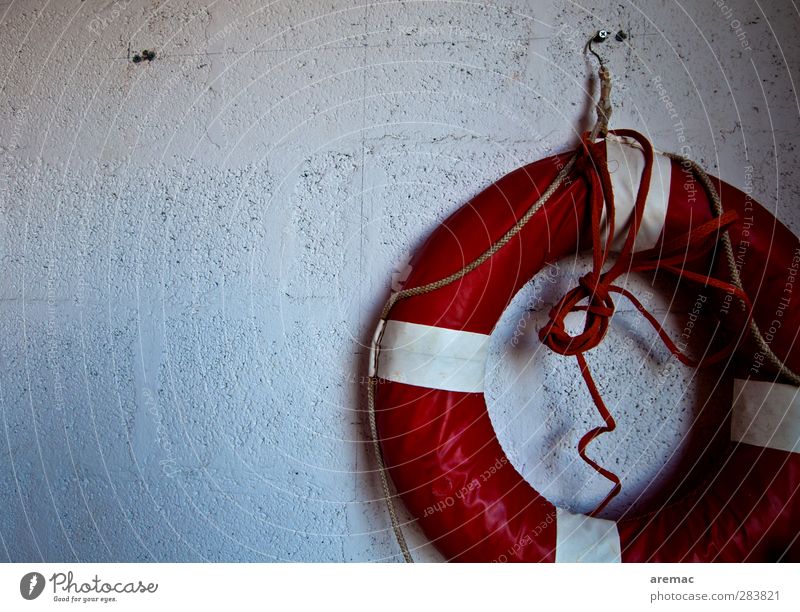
(430, 350)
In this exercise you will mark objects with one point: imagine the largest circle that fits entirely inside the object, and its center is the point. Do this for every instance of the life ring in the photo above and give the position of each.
(429, 354)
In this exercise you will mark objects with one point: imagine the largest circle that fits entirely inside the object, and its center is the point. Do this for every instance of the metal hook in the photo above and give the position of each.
(600, 36)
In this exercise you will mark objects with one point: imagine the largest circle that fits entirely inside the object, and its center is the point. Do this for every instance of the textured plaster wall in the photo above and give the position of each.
(193, 250)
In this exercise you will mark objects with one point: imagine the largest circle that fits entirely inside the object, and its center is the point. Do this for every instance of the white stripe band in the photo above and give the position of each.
(431, 357)
(625, 165)
(766, 414)
(583, 539)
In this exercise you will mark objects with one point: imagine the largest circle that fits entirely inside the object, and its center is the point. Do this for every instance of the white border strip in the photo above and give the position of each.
(584, 539)
(625, 165)
(766, 414)
(356, 587)
(431, 357)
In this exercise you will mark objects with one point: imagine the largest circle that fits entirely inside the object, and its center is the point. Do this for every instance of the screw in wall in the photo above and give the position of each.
(146, 54)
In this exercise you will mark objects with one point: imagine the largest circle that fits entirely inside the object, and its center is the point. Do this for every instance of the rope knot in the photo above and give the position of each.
(599, 308)
(593, 286)
(592, 295)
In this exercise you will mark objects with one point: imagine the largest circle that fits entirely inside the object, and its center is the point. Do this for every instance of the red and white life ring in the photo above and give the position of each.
(430, 351)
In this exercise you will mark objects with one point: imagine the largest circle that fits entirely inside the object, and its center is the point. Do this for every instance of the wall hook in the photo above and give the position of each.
(600, 37)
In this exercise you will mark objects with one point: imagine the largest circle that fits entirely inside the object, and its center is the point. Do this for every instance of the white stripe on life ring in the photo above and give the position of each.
(625, 165)
(766, 414)
(431, 357)
(584, 539)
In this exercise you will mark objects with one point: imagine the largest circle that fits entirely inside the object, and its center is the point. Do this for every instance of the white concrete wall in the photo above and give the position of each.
(192, 251)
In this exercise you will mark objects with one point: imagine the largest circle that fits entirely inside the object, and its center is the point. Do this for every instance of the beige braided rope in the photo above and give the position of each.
(730, 258)
(517, 227)
(603, 108)
(387, 493)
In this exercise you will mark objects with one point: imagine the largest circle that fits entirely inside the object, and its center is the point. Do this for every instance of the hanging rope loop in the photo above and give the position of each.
(592, 294)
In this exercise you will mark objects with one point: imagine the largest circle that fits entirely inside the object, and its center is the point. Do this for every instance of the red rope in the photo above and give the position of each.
(596, 287)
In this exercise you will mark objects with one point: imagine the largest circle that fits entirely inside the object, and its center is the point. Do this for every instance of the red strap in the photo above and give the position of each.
(596, 287)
